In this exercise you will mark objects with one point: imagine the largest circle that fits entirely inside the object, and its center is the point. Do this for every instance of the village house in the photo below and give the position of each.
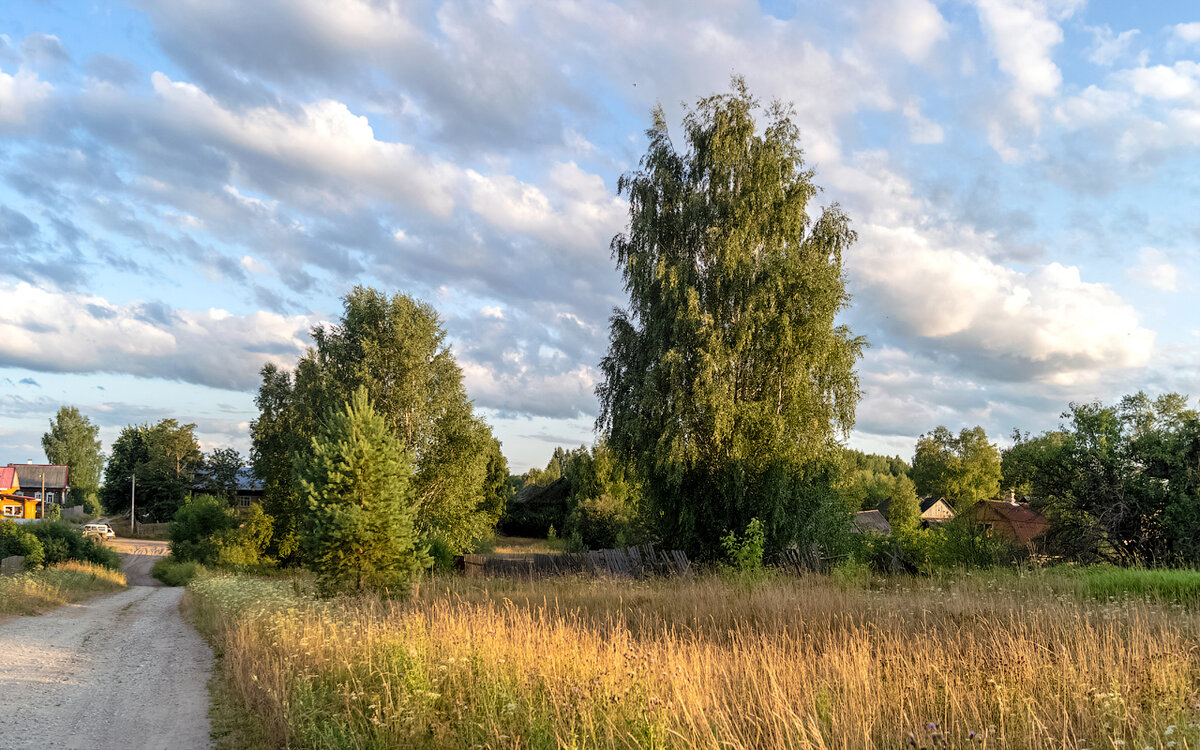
(1010, 519)
(47, 482)
(13, 505)
(934, 510)
(247, 491)
(871, 522)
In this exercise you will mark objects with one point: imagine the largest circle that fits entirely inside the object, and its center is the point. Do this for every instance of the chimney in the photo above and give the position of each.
(29, 461)
(1012, 496)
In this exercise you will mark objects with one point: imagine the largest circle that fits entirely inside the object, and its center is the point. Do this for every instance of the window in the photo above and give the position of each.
(12, 510)
(49, 497)
(243, 501)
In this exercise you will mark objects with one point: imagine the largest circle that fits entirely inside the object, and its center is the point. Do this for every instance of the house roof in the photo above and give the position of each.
(1026, 522)
(30, 475)
(7, 475)
(925, 502)
(247, 481)
(871, 521)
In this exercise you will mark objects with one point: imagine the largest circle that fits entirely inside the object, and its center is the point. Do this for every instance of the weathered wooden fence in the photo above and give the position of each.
(636, 562)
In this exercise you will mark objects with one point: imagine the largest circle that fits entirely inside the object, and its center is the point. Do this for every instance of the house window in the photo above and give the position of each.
(49, 497)
(11, 510)
(243, 501)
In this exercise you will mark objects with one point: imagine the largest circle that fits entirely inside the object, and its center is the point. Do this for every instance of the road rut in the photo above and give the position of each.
(120, 671)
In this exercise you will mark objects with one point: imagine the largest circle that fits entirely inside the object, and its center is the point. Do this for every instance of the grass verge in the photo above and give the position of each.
(32, 593)
(174, 573)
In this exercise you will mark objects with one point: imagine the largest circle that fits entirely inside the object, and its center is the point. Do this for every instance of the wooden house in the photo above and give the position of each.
(1012, 520)
(934, 510)
(871, 522)
(49, 482)
(18, 507)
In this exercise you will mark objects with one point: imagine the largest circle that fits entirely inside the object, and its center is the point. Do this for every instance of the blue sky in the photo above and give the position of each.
(187, 187)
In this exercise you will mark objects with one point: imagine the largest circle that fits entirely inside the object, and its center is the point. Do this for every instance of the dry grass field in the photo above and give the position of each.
(36, 592)
(1071, 659)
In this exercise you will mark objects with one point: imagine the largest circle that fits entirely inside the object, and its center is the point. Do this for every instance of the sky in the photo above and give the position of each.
(186, 188)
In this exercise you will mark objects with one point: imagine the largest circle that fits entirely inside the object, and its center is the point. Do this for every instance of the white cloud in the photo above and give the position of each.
(920, 128)
(1187, 32)
(1093, 106)
(208, 347)
(1155, 270)
(1023, 35)
(1107, 47)
(21, 96)
(1164, 83)
(913, 27)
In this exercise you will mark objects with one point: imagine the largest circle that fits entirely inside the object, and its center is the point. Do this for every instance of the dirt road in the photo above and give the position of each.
(120, 671)
(137, 559)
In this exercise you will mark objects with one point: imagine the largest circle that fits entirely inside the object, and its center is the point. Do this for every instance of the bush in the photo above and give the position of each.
(441, 553)
(600, 521)
(746, 553)
(15, 540)
(196, 528)
(172, 572)
(242, 546)
(62, 542)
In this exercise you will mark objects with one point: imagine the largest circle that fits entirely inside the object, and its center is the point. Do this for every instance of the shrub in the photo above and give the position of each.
(62, 542)
(746, 553)
(242, 546)
(441, 553)
(600, 521)
(15, 540)
(196, 528)
(172, 572)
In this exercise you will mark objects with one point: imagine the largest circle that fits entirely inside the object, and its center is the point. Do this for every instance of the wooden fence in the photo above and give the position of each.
(636, 562)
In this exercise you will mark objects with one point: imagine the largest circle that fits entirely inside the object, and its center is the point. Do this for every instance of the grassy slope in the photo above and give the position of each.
(36, 592)
(1020, 660)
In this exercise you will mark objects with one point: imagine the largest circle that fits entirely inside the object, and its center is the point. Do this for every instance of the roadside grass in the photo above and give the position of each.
(34, 592)
(175, 573)
(1000, 660)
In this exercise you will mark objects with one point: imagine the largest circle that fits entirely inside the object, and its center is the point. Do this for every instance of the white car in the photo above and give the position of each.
(103, 530)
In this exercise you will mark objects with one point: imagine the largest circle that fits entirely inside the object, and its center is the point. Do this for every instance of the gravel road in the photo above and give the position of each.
(120, 671)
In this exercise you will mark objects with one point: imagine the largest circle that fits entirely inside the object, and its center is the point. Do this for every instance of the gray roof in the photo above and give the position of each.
(29, 476)
(247, 481)
(871, 521)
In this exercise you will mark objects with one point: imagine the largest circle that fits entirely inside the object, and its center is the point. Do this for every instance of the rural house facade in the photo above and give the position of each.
(934, 510)
(49, 482)
(1014, 521)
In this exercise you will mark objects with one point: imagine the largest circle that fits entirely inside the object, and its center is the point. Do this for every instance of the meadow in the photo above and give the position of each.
(35, 592)
(1035, 659)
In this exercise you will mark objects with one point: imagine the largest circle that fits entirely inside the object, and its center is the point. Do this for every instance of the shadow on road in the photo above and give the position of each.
(137, 559)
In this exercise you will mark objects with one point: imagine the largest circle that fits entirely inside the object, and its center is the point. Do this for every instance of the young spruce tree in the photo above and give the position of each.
(356, 480)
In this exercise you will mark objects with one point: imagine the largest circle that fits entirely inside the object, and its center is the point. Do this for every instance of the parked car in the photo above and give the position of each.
(102, 530)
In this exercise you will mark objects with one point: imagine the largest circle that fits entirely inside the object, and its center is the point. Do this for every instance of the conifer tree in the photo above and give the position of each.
(356, 481)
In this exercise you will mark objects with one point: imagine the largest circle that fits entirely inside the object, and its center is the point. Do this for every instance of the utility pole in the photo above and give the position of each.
(132, 517)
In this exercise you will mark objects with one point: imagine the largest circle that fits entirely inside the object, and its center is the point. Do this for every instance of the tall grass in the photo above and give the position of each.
(34, 592)
(996, 661)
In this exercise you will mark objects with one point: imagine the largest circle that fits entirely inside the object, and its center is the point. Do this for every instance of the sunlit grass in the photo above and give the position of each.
(989, 660)
(32, 593)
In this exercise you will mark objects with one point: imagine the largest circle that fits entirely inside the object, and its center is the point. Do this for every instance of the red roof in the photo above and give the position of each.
(7, 475)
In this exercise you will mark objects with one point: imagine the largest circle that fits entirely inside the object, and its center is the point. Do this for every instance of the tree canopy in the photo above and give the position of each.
(73, 440)
(728, 376)
(165, 457)
(963, 468)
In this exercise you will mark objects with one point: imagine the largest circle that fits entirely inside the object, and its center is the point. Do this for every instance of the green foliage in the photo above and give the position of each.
(727, 376)
(904, 507)
(601, 522)
(62, 542)
(357, 482)
(745, 553)
(198, 527)
(276, 438)
(53, 512)
(1120, 483)
(962, 469)
(74, 440)
(172, 572)
(17, 540)
(245, 544)
(218, 473)
(441, 554)
(165, 458)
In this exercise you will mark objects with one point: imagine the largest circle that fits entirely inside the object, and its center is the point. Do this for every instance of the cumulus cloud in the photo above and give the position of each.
(50, 331)
(21, 97)
(1108, 47)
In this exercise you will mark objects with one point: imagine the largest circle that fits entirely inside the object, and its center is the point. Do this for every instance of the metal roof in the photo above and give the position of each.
(30, 476)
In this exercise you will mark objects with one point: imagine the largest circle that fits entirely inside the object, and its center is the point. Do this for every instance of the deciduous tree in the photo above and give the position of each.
(728, 376)
(74, 440)
(963, 468)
